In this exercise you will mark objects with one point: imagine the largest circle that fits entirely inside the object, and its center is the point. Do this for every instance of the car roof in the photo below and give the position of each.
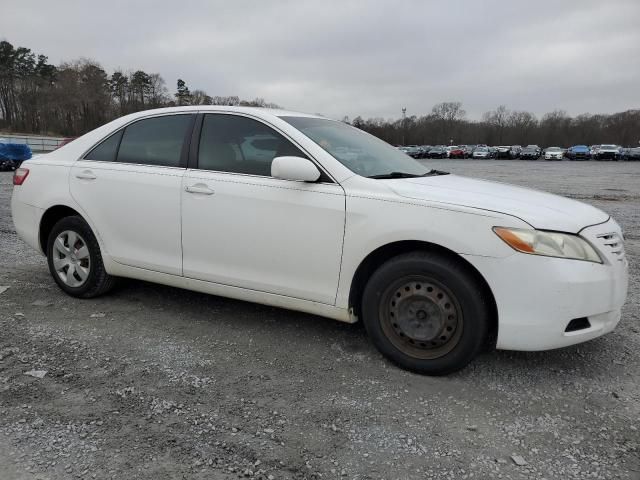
(257, 111)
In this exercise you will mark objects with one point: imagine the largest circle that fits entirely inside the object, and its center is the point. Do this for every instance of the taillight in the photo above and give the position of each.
(20, 175)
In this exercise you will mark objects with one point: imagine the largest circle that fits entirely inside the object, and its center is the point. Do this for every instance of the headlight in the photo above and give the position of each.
(550, 244)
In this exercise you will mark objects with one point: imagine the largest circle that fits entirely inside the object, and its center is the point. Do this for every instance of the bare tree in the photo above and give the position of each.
(200, 97)
(158, 93)
(521, 127)
(497, 120)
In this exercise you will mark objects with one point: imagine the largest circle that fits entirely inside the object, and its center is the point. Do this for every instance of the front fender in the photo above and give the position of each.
(372, 223)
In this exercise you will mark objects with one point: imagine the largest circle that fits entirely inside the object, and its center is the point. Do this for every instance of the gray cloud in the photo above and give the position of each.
(359, 57)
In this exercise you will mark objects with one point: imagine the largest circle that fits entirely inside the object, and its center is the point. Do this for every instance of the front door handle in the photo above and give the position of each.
(86, 175)
(200, 188)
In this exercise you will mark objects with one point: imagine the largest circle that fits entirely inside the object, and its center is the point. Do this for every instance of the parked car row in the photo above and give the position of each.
(603, 152)
(530, 152)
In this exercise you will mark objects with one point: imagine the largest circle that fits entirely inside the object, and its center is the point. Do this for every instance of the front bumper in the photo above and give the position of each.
(538, 296)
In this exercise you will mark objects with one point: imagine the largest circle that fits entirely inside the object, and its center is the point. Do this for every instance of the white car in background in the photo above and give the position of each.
(481, 153)
(553, 153)
(608, 152)
(310, 214)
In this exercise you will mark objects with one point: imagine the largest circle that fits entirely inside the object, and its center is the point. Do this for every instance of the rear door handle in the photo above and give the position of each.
(86, 175)
(200, 188)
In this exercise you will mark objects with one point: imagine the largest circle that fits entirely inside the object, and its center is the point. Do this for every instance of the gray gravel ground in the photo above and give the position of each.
(155, 382)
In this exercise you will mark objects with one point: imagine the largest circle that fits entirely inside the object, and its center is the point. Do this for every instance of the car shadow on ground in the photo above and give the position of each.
(295, 331)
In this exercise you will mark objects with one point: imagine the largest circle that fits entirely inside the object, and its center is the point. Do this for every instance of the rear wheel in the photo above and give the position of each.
(426, 312)
(75, 261)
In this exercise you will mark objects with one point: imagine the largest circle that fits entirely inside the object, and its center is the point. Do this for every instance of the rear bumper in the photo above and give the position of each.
(538, 296)
(26, 219)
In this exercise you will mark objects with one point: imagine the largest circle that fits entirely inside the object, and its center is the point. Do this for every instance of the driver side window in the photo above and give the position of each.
(236, 144)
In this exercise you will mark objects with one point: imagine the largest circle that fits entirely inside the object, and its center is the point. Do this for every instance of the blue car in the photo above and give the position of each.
(13, 154)
(579, 152)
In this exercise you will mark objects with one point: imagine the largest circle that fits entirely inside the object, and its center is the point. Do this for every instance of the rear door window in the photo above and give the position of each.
(155, 141)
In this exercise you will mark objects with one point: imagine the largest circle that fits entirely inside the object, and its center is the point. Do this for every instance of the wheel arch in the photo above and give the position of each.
(49, 218)
(383, 253)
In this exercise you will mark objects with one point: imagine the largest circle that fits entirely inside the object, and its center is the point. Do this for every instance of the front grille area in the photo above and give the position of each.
(612, 243)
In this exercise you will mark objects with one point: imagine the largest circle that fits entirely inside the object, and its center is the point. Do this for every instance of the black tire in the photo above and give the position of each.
(98, 280)
(463, 324)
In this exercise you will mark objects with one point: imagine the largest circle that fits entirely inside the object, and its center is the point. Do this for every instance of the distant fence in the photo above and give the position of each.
(36, 143)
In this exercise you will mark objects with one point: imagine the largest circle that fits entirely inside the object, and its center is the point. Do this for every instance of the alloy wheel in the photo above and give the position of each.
(71, 259)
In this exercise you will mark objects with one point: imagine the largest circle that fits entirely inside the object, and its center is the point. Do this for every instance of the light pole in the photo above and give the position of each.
(404, 123)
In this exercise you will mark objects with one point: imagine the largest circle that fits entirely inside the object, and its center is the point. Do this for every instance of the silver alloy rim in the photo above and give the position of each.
(71, 259)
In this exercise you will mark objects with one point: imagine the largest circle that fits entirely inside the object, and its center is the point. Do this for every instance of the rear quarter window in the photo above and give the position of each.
(107, 150)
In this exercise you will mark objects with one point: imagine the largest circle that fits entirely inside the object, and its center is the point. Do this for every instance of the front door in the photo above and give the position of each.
(244, 228)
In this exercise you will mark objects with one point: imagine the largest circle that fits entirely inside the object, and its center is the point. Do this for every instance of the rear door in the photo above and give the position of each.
(129, 186)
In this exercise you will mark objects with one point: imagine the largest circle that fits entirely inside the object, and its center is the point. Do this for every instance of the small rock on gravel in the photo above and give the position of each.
(518, 460)
(36, 373)
(42, 303)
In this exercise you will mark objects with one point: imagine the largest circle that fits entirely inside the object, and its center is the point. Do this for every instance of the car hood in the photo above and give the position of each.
(539, 209)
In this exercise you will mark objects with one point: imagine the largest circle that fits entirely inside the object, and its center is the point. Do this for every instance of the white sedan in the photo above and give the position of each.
(553, 153)
(310, 214)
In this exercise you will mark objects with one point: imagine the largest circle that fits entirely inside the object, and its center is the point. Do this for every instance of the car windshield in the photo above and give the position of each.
(360, 152)
(554, 149)
(608, 146)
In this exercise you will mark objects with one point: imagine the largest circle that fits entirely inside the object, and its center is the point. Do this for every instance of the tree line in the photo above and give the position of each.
(72, 98)
(447, 124)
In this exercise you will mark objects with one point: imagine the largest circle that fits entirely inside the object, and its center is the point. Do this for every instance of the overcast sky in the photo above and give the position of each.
(366, 58)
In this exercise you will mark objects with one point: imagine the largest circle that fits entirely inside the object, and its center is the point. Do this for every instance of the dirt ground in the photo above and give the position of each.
(154, 382)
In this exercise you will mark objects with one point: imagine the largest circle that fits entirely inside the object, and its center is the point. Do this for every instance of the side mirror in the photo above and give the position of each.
(294, 168)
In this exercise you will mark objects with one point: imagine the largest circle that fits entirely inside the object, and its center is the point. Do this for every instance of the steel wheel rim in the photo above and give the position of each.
(421, 317)
(71, 259)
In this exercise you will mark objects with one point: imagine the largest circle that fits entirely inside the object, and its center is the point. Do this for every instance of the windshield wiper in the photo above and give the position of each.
(431, 173)
(395, 175)
(408, 175)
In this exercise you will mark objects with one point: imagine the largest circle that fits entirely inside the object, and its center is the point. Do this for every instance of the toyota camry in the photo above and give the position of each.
(310, 214)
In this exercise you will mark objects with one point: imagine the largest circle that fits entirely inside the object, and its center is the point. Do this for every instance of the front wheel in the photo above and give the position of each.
(75, 261)
(426, 312)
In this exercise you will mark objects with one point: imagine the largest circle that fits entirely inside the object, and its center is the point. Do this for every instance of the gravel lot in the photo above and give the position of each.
(155, 382)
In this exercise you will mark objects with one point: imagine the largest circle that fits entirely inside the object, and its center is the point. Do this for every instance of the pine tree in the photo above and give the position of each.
(183, 95)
